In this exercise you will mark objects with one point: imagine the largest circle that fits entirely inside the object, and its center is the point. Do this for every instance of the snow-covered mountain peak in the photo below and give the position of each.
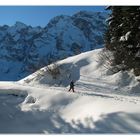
(90, 15)
(20, 25)
(30, 48)
(56, 19)
(16, 28)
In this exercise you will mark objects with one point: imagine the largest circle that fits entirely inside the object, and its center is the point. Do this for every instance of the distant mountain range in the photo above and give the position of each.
(25, 49)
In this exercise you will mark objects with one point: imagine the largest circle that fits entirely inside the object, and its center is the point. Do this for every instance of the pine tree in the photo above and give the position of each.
(123, 36)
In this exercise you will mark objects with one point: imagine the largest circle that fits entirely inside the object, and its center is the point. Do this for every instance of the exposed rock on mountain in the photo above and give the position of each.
(24, 49)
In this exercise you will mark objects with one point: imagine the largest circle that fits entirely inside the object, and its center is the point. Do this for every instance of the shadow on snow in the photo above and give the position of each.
(13, 120)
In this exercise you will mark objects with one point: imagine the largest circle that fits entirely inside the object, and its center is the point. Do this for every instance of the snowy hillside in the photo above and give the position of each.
(84, 66)
(103, 102)
(25, 49)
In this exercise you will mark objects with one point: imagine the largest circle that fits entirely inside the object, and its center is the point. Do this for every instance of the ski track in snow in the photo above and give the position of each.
(95, 88)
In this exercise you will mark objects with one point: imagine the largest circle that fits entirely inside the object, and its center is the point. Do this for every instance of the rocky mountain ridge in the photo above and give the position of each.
(25, 49)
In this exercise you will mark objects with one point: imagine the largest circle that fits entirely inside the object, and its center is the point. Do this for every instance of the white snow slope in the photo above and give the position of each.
(103, 102)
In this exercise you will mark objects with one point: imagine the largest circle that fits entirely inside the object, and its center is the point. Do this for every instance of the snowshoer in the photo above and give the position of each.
(72, 86)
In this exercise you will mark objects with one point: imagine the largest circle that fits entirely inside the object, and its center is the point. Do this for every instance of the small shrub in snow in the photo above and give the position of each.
(107, 60)
(30, 100)
(106, 57)
(27, 80)
(53, 70)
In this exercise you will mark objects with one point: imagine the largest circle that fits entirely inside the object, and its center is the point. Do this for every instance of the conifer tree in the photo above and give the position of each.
(123, 36)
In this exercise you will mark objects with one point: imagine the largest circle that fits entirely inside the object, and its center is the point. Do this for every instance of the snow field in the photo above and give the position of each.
(102, 103)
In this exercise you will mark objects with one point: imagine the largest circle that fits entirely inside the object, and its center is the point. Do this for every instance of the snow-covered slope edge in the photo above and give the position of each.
(84, 68)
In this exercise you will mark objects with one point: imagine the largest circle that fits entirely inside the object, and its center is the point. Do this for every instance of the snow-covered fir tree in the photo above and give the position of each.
(123, 36)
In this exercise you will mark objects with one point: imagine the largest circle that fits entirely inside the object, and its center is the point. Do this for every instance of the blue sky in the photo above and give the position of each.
(38, 15)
